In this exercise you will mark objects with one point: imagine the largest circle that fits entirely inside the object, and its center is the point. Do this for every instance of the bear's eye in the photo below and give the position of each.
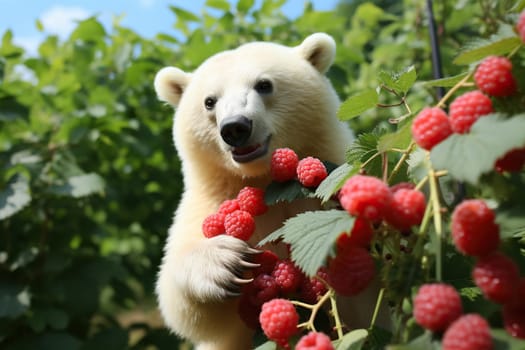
(210, 102)
(263, 86)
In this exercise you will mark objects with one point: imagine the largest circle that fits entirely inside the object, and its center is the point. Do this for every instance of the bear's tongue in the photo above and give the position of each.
(240, 151)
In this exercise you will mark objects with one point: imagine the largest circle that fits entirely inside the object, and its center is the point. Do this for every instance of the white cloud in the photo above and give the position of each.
(29, 43)
(60, 20)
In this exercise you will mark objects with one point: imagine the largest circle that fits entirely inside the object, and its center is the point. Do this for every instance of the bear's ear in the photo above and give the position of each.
(319, 50)
(170, 83)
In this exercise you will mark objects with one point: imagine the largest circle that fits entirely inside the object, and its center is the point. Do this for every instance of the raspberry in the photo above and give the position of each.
(520, 26)
(512, 161)
(494, 76)
(239, 224)
(365, 196)
(361, 235)
(402, 185)
(314, 341)
(251, 199)
(430, 127)
(287, 275)
(436, 306)
(469, 332)
(497, 276)
(407, 209)
(229, 206)
(311, 289)
(284, 164)
(474, 230)
(213, 225)
(279, 320)
(351, 271)
(514, 313)
(267, 259)
(262, 289)
(311, 171)
(466, 109)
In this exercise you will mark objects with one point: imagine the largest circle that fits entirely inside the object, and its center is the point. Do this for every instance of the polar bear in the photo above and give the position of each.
(231, 113)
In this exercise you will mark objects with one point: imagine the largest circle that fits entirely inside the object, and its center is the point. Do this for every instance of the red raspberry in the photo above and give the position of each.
(436, 306)
(251, 199)
(229, 206)
(267, 259)
(474, 229)
(248, 312)
(466, 109)
(497, 276)
(311, 289)
(239, 224)
(402, 186)
(351, 271)
(430, 127)
(311, 172)
(314, 341)
(512, 161)
(520, 26)
(494, 76)
(287, 275)
(469, 332)
(262, 289)
(279, 320)
(213, 225)
(361, 235)
(407, 209)
(284, 164)
(365, 196)
(514, 313)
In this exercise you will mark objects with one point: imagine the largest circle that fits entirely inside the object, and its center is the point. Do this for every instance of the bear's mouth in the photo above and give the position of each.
(248, 153)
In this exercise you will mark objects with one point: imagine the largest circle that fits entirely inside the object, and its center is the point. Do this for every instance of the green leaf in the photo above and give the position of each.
(80, 186)
(446, 82)
(357, 104)
(243, 6)
(398, 140)
(14, 197)
(14, 300)
(219, 4)
(468, 156)
(287, 191)
(418, 165)
(89, 30)
(353, 340)
(312, 236)
(504, 341)
(498, 44)
(511, 221)
(269, 345)
(399, 81)
(423, 342)
(183, 15)
(11, 109)
(363, 147)
(335, 181)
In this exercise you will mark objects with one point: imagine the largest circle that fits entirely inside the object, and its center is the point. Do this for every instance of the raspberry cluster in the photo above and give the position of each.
(235, 217)
(494, 79)
(285, 165)
(475, 233)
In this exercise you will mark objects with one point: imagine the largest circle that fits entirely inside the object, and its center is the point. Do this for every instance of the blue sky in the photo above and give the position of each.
(147, 17)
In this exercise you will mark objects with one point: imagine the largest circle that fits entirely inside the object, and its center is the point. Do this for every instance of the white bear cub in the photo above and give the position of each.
(231, 114)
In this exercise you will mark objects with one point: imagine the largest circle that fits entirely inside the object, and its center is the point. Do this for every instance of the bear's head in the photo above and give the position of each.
(241, 105)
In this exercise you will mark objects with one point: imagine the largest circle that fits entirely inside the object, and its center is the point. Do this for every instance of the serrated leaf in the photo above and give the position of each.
(335, 181)
(418, 165)
(80, 186)
(446, 82)
(399, 81)
(219, 4)
(357, 104)
(468, 156)
(364, 146)
(399, 139)
(471, 293)
(14, 197)
(353, 340)
(288, 191)
(498, 44)
(312, 236)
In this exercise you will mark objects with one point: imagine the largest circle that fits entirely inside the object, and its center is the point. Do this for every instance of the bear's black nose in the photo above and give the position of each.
(235, 131)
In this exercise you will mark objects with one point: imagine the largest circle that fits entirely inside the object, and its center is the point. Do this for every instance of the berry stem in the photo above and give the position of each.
(401, 161)
(376, 309)
(436, 209)
(314, 309)
(451, 92)
(335, 314)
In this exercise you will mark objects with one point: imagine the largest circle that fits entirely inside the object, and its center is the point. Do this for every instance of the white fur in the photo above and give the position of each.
(300, 113)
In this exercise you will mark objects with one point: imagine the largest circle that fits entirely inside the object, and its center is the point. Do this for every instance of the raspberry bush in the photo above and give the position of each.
(431, 206)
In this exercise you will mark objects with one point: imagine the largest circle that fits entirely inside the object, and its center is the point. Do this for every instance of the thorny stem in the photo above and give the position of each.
(314, 308)
(401, 161)
(335, 314)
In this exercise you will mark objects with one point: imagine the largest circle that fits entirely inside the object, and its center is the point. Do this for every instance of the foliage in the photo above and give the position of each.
(89, 178)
